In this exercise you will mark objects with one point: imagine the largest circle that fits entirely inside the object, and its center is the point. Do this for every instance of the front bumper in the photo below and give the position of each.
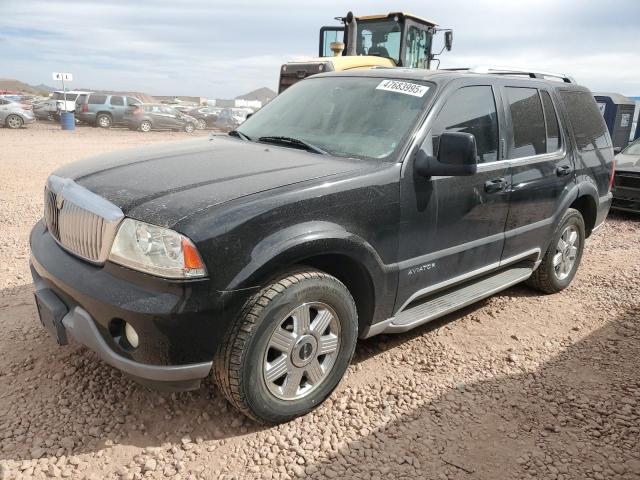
(626, 191)
(78, 324)
(179, 323)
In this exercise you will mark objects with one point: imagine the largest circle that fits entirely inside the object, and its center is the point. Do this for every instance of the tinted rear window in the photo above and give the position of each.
(587, 123)
(61, 96)
(529, 136)
(97, 99)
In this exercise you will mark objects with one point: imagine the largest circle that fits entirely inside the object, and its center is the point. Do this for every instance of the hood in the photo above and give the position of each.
(165, 183)
(629, 163)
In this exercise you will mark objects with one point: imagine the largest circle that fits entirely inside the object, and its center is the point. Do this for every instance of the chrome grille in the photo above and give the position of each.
(51, 212)
(80, 221)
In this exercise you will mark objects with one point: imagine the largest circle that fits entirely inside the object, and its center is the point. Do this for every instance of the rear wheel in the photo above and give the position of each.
(103, 120)
(289, 348)
(14, 121)
(145, 126)
(189, 127)
(562, 258)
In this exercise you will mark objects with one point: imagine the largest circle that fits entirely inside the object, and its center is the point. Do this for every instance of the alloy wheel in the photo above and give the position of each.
(566, 252)
(301, 351)
(104, 121)
(14, 121)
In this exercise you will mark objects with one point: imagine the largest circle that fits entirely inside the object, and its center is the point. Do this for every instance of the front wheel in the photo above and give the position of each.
(145, 126)
(289, 348)
(189, 127)
(562, 258)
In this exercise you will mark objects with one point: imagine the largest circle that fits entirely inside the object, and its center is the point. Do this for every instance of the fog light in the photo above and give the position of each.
(131, 335)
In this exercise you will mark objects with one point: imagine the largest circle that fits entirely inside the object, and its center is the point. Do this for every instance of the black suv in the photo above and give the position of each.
(353, 204)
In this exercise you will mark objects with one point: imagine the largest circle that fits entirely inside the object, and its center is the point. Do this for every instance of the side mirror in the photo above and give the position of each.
(448, 40)
(249, 115)
(457, 156)
(617, 150)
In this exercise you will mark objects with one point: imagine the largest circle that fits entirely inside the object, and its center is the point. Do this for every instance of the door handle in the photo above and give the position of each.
(563, 170)
(495, 185)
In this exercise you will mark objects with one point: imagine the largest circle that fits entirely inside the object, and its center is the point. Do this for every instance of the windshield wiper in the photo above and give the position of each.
(239, 134)
(295, 142)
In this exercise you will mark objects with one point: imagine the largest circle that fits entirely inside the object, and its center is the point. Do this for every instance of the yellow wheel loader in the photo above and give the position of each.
(392, 40)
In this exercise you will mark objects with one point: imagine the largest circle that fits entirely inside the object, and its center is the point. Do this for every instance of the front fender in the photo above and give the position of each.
(298, 242)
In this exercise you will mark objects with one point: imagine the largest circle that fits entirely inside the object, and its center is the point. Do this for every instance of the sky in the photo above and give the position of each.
(220, 50)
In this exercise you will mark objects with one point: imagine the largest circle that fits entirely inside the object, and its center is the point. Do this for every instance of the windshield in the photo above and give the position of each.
(633, 149)
(380, 38)
(345, 116)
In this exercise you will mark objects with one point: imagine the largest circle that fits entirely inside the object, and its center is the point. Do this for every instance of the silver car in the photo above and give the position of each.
(14, 114)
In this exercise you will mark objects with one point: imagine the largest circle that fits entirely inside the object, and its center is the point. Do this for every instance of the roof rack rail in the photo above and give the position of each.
(514, 71)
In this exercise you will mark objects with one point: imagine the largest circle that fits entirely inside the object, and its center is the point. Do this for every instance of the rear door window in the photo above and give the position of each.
(551, 120)
(587, 123)
(97, 99)
(117, 101)
(529, 135)
(471, 110)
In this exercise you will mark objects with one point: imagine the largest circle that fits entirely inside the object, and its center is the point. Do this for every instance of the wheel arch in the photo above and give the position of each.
(333, 250)
(586, 203)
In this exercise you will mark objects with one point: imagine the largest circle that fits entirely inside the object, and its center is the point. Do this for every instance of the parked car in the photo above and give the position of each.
(44, 109)
(231, 118)
(626, 184)
(207, 117)
(149, 116)
(351, 205)
(14, 114)
(105, 110)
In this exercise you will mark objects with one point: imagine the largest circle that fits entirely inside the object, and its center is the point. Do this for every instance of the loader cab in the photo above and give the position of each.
(374, 41)
(405, 39)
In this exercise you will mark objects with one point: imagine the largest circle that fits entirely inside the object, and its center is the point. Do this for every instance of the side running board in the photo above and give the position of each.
(452, 299)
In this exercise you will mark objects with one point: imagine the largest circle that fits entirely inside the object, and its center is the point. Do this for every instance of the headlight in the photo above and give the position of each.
(156, 250)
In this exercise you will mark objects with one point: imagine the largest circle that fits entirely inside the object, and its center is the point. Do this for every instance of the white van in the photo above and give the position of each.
(67, 102)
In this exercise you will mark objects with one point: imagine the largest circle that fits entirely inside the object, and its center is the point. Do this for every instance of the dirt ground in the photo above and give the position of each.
(520, 386)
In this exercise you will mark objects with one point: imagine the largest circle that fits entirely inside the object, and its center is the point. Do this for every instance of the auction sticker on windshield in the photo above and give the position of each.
(403, 87)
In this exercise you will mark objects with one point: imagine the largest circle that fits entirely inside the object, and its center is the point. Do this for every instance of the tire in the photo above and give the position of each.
(189, 127)
(273, 317)
(14, 121)
(555, 273)
(104, 120)
(145, 126)
(202, 125)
